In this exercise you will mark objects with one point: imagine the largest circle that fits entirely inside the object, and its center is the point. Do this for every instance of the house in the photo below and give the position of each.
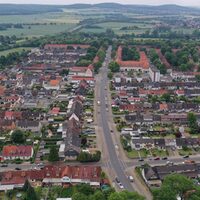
(76, 110)
(81, 71)
(71, 147)
(82, 88)
(141, 65)
(142, 143)
(174, 118)
(29, 125)
(78, 79)
(7, 125)
(12, 152)
(52, 84)
(154, 176)
(52, 175)
(154, 74)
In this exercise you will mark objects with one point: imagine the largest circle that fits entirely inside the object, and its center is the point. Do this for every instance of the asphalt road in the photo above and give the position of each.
(115, 163)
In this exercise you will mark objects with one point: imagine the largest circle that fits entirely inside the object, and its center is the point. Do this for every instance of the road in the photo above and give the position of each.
(113, 161)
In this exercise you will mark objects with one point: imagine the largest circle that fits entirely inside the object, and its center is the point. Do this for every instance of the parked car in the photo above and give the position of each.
(117, 180)
(141, 159)
(157, 158)
(4, 165)
(164, 158)
(121, 186)
(131, 178)
(187, 156)
(17, 168)
(189, 162)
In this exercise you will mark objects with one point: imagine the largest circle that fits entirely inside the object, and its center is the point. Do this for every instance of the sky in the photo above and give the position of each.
(146, 2)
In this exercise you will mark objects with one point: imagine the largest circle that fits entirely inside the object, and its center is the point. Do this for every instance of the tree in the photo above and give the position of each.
(98, 196)
(166, 97)
(114, 67)
(115, 196)
(53, 155)
(31, 194)
(18, 137)
(110, 75)
(85, 189)
(26, 185)
(79, 196)
(87, 157)
(192, 122)
(175, 185)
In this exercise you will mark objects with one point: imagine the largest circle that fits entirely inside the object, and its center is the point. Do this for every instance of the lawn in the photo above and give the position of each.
(185, 152)
(137, 154)
(133, 154)
(159, 153)
(20, 49)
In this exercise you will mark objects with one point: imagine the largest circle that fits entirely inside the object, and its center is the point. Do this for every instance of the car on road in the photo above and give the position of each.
(4, 165)
(169, 162)
(111, 131)
(157, 158)
(121, 186)
(116, 146)
(189, 162)
(117, 180)
(141, 159)
(107, 109)
(164, 158)
(17, 168)
(131, 179)
(187, 156)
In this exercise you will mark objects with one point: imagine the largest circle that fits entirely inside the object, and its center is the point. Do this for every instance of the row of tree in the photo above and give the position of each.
(88, 157)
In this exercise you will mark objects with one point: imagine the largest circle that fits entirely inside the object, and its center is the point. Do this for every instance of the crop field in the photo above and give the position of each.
(39, 24)
(37, 30)
(117, 27)
(20, 49)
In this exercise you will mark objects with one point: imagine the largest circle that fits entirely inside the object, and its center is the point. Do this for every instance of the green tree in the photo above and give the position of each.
(31, 194)
(175, 185)
(115, 196)
(79, 196)
(114, 66)
(110, 75)
(53, 155)
(192, 123)
(18, 137)
(85, 189)
(98, 196)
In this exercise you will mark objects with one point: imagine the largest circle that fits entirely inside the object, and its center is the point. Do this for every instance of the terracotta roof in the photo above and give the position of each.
(54, 82)
(78, 69)
(55, 110)
(163, 106)
(82, 78)
(142, 63)
(84, 46)
(2, 90)
(12, 150)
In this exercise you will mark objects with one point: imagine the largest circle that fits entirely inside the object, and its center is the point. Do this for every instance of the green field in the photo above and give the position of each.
(20, 49)
(116, 27)
(40, 24)
(38, 30)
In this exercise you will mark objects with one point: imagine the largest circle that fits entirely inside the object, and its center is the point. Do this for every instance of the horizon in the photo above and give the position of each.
(126, 2)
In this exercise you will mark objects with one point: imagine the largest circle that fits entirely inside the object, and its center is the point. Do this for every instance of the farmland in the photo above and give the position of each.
(20, 49)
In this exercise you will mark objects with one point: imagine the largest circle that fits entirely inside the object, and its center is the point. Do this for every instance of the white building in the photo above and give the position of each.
(154, 74)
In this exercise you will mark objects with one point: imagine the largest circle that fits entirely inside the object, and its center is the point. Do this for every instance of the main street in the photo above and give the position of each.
(109, 148)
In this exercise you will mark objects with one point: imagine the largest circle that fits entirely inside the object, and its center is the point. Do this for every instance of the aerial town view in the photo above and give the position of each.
(99, 100)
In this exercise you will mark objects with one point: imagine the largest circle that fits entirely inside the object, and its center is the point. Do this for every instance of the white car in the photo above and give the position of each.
(121, 186)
